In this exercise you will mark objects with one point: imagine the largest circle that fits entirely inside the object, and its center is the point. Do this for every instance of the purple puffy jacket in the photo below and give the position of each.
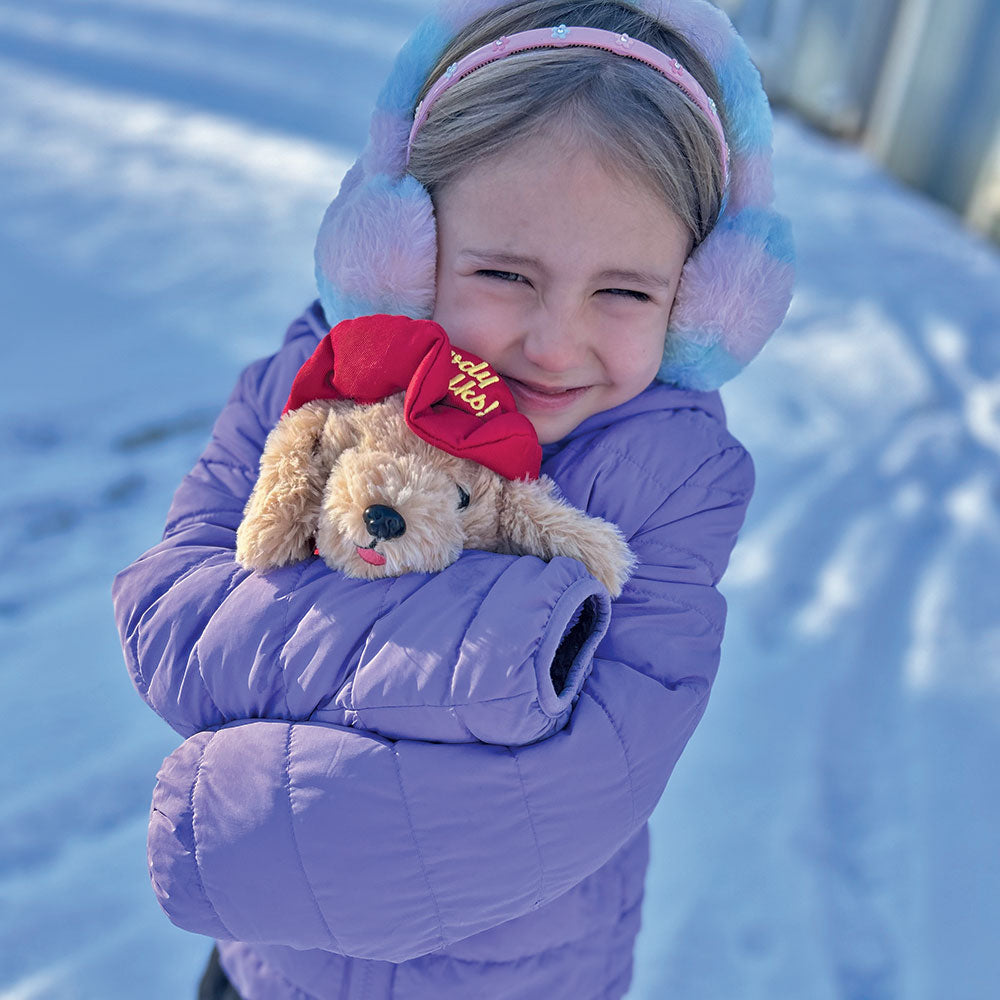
(381, 792)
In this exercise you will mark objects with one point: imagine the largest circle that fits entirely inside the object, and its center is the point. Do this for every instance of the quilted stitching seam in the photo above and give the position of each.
(715, 628)
(628, 764)
(416, 844)
(652, 544)
(295, 839)
(196, 659)
(534, 835)
(286, 636)
(194, 837)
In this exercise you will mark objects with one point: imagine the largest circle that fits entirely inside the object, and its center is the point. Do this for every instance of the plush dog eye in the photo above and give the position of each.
(463, 499)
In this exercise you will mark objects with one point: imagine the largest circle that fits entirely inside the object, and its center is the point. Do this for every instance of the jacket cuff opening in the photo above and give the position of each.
(566, 653)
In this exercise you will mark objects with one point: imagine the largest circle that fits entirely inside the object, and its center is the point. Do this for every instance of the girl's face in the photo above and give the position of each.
(561, 276)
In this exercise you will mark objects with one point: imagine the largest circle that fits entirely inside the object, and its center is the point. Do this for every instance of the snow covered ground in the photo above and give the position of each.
(832, 831)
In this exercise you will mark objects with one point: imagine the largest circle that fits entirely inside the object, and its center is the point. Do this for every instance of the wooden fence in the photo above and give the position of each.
(916, 82)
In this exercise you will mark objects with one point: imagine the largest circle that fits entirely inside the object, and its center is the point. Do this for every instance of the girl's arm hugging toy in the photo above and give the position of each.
(384, 769)
(383, 483)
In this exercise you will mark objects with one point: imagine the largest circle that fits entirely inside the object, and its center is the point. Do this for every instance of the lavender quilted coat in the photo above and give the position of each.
(381, 792)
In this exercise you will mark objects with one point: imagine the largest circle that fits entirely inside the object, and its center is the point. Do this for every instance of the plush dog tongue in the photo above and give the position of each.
(371, 556)
(453, 400)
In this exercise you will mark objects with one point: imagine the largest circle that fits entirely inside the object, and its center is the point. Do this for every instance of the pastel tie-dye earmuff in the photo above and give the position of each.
(377, 246)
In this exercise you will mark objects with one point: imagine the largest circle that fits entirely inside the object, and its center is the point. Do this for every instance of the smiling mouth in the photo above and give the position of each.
(546, 397)
(545, 390)
(370, 556)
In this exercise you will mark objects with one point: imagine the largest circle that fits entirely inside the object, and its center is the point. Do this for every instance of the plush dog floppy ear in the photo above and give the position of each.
(534, 521)
(281, 516)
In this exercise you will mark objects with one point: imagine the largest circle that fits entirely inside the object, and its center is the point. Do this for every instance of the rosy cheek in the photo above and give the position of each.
(638, 357)
(471, 320)
(452, 306)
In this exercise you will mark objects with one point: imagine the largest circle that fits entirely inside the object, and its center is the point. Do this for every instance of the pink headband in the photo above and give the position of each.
(561, 37)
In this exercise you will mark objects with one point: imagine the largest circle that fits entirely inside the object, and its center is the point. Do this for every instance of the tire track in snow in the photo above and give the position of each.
(871, 875)
(877, 545)
(857, 832)
(868, 531)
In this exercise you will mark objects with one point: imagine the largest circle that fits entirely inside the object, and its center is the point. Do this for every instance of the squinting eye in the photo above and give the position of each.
(628, 293)
(510, 276)
(463, 499)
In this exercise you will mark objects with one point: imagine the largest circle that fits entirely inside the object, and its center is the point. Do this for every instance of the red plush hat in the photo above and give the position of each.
(453, 400)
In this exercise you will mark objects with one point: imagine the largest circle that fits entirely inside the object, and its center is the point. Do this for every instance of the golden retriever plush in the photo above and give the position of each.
(380, 483)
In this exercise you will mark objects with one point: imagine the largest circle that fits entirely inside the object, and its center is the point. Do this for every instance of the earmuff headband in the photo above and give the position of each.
(563, 37)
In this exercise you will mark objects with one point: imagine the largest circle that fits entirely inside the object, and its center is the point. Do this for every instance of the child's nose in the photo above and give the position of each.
(554, 339)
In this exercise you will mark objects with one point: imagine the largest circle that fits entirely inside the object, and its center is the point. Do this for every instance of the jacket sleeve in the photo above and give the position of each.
(462, 655)
(315, 835)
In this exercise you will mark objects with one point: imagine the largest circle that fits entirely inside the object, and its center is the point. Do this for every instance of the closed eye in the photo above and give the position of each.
(626, 293)
(512, 277)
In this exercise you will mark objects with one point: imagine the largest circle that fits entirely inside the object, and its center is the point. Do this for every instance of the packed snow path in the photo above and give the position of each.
(831, 830)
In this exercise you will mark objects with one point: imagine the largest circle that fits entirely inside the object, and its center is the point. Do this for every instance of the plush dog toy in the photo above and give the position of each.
(395, 452)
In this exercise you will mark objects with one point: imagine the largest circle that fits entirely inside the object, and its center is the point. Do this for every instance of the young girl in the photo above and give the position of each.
(580, 194)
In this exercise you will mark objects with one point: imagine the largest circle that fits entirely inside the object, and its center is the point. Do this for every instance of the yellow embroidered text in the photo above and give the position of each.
(468, 386)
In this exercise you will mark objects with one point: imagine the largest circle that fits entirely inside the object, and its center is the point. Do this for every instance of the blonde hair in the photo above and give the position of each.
(640, 124)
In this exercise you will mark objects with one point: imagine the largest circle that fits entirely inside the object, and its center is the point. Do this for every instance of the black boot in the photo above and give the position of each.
(214, 983)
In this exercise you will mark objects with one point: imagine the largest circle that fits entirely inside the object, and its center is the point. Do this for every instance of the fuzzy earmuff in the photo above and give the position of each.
(377, 244)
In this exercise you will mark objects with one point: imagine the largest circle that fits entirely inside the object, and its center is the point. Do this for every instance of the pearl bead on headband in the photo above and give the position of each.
(562, 37)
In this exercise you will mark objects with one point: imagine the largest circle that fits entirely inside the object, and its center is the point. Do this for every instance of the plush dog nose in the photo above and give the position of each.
(384, 522)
